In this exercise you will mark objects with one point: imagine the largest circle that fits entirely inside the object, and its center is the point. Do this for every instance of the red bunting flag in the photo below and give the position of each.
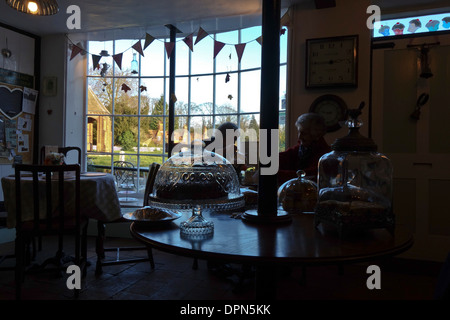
(188, 41)
(169, 47)
(125, 87)
(118, 59)
(95, 61)
(75, 50)
(259, 39)
(137, 46)
(240, 50)
(217, 47)
(200, 35)
(148, 40)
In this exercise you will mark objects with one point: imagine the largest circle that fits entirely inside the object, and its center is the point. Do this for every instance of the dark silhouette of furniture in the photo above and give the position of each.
(64, 151)
(56, 189)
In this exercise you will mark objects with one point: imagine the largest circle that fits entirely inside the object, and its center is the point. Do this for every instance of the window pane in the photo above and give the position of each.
(182, 56)
(152, 92)
(282, 87)
(250, 91)
(152, 133)
(99, 96)
(182, 89)
(99, 134)
(199, 127)
(202, 57)
(148, 159)
(202, 95)
(126, 102)
(99, 162)
(95, 47)
(252, 53)
(154, 59)
(226, 59)
(284, 46)
(128, 54)
(223, 119)
(227, 93)
(125, 134)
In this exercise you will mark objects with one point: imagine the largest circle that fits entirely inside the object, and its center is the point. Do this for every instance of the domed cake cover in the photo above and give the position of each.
(298, 195)
(197, 177)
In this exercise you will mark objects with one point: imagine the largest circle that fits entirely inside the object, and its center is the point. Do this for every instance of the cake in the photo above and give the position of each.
(152, 214)
(432, 25)
(414, 25)
(398, 28)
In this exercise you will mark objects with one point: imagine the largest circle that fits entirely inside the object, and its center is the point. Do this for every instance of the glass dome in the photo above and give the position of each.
(355, 183)
(298, 195)
(197, 178)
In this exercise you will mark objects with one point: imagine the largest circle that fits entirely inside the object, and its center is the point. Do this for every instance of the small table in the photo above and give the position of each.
(265, 246)
(98, 197)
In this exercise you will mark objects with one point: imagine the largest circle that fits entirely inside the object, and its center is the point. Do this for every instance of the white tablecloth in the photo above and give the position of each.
(99, 198)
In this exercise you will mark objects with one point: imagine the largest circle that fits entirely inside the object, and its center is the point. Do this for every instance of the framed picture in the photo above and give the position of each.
(49, 86)
(332, 62)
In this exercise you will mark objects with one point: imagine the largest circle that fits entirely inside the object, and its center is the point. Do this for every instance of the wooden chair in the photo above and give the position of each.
(63, 150)
(100, 249)
(52, 193)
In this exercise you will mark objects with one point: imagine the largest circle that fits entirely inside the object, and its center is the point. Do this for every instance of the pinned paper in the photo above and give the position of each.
(240, 50)
(188, 41)
(169, 47)
(118, 59)
(217, 47)
(29, 100)
(200, 35)
(148, 40)
(137, 46)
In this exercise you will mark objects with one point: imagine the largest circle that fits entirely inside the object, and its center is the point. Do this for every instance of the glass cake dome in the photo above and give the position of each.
(196, 178)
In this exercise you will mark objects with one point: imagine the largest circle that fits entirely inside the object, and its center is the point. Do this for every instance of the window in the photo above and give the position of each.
(127, 111)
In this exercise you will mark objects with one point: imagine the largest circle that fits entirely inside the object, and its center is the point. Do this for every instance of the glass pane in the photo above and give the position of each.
(181, 89)
(226, 59)
(201, 95)
(152, 92)
(148, 159)
(154, 59)
(98, 162)
(99, 134)
(250, 91)
(283, 46)
(128, 54)
(202, 57)
(126, 101)
(99, 95)
(95, 47)
(125, 134)
(152, 134)
(227, 93)
(182, 56)
(250, 124)
(252, 53)
(228, 118)
(283, 87)
(199, 127)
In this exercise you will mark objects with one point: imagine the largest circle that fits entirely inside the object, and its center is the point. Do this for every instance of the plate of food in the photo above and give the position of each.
(150, 215)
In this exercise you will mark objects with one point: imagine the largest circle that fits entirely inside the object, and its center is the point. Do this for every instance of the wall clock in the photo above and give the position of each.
(332, 62)
(332, 108)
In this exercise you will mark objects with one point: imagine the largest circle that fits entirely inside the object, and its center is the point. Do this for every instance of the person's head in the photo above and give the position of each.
(310, 127)
(223, 130)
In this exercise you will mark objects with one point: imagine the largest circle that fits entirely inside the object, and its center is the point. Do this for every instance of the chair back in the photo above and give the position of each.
(154, 167)
(124, 173)
(63, 150)
(55, 204)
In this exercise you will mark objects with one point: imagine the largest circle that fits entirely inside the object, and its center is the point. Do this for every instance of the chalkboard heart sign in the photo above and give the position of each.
(10, 101)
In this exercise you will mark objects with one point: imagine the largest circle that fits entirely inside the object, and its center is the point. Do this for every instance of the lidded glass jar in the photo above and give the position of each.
(298, 195)
(355, 183)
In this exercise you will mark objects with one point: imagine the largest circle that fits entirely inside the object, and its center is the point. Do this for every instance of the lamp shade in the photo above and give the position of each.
(36, 7)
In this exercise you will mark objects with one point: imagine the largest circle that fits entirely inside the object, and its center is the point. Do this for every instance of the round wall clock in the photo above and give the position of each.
(332, 108)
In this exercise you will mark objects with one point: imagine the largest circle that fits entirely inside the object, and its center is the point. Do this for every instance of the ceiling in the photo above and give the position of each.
(106, 19)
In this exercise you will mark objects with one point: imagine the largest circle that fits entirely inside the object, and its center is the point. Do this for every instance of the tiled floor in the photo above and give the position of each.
(174, 279)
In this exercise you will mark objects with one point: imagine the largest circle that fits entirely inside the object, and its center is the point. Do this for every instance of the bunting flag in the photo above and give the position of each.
(259, 39)
(143, 88)
(188, 41)
(148, 40)
(125, 87)
(75, 50)
(240, 50)
(118, 59)
(137, 46)
(96, 60)
(200, 35)
(169, 47)
(217, 47)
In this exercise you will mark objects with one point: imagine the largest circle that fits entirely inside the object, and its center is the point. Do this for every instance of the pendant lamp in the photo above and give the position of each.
(35, 7)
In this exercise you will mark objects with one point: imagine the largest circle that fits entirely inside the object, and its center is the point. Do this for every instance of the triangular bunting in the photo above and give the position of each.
(169, 47)
(217, 47)
(148, 40)
(200, 35)
(259, 39)
(95, 61)
(118, 59)
(188, 41)
(240, 50)
(137, 46)
(75, 50)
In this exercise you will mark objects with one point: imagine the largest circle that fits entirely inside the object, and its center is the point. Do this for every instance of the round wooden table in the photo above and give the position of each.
(267, 245)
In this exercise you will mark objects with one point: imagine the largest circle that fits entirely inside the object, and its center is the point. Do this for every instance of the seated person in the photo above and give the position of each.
(306, 154)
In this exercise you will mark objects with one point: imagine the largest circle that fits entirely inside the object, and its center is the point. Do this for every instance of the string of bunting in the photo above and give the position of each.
(188, 40)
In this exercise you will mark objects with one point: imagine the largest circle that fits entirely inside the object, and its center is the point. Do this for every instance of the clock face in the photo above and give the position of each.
(331, 62)
(332, 108)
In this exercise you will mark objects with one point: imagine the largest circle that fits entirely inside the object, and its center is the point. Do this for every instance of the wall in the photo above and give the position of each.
(307, 22)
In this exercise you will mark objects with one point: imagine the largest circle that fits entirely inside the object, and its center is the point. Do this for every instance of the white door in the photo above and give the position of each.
(419, 149)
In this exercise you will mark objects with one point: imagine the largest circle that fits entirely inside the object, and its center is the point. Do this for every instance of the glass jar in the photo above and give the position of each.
(355, 183)
(298, 195)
